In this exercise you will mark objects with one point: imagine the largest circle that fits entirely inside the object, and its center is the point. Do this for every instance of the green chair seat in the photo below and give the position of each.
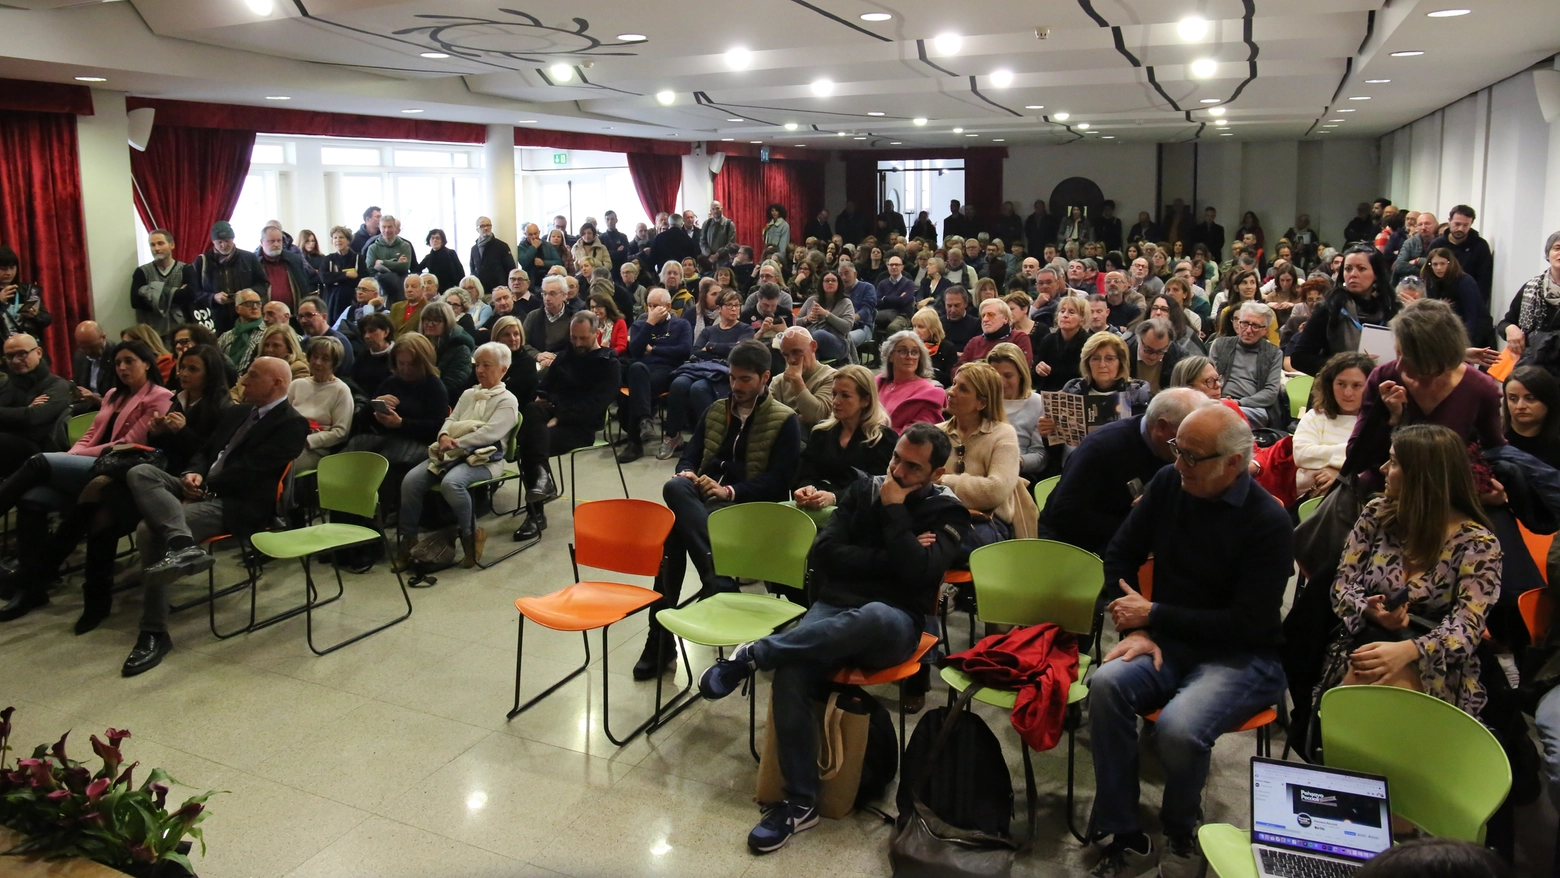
(729, 618)
(310, 540)
(1228, 851)
(1005, 698)
(511, 471)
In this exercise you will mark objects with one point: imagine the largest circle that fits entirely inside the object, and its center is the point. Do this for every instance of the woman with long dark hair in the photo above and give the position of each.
(1365, 296)
(1531, 414)
(441, 260)
(1445, 280)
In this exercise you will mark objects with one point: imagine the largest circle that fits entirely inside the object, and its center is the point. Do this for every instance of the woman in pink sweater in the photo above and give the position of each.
(905, 386)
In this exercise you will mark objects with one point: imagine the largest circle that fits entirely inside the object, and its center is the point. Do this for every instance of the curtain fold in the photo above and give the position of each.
(656, 178)
(983, 181)
(41, 219)
(278, 120)
(187, 179)
(746, 187)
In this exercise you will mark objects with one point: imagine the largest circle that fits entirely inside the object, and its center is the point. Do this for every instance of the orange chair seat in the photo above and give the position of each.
(908, 668)
(1256, 722)
(958, 576)
(585, 606)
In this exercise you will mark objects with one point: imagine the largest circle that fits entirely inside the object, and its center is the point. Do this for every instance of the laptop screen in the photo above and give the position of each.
(1320, 810)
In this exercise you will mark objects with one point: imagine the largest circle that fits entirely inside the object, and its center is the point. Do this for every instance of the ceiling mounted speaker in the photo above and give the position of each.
(141, 127)
(717, 161)
(1547, 84)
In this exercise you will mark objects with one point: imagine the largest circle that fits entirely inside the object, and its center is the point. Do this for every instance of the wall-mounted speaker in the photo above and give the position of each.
(717, 161)
(141, 127)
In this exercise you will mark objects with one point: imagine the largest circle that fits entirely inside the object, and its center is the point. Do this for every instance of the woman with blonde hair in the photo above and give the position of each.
(928, 327)
(281, 342)
(856, 439)
(905, 384)
(984, 470)
(148, 336)
(1056, 360)
(480, 309)
(1104, 363)
(1022, 406)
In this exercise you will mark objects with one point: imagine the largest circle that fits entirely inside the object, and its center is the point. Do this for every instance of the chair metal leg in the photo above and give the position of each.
(650, 724)
(1071, 759)
(309, 606)
(519, 660)
(1030, 793)
(679, 702)
(752, 687)
(212, 594)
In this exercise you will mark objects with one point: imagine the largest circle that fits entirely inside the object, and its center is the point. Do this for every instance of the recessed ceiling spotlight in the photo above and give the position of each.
(1082, 126)
(958, 131)
(1192, 28)
(1329, 126)
(1348, 110)
(631, 38)
(738, 58)
(1216, 111)
(665, 97)
(527, 122)
(859, 137)
(1034, 106)
(1210, 100)
(1203, 68)
(999, 140)
(843, 133)
(734, 119)
(1107, 137)
(791, 126)
(948, 43)
(260, 7)
(1378, 81)
(895, 142)
(91, 79)
(1061, 117)
(1407, 54)
(919, 120)
(561, 72)
(1448, 13)
(436, 56)
(823, 87)
(875, 16)
(1360, 98)
(873, 113)
(277, 97)
(1221, 122)
(755, 141)
(1002, 78)
(411, 110)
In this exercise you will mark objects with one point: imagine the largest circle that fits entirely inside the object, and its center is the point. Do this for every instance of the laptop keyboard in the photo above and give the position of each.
(1286, 865)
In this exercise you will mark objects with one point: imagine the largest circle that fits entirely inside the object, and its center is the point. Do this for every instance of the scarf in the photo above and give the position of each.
(484, 401)
(994, 337)
(484, 238)
(1540, 298)
(241, 332)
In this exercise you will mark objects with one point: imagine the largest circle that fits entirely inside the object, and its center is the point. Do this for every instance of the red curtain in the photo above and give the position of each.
(798, 187)
(656, 179)
(528, 136)
(276, 120)
(746, 187)
(187, 179)
(983, 181)
(41, 219)
(45, 97)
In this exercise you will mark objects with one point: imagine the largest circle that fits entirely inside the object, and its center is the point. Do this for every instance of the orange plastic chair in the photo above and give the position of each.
(897, 674)
(623, 536)
(1536, 607)
(1538, 547)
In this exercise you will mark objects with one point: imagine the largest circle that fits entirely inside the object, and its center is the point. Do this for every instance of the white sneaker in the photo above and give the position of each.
(670, 446)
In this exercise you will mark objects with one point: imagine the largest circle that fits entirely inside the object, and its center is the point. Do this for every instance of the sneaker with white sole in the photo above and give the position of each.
(723, 677)
(781, 821)
(1118, 860)
(670, 446)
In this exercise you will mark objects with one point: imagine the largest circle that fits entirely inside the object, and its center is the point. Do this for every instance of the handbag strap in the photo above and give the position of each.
(831, 745)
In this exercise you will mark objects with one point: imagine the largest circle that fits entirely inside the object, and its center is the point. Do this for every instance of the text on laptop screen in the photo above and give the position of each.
(1320, 811)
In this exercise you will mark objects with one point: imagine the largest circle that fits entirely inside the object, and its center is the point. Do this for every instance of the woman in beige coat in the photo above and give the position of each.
(983, 472)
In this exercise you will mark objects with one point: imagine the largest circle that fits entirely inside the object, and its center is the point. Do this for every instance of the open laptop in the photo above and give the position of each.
(1309, 821)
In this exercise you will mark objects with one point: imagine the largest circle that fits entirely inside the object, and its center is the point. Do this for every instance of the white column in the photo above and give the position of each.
(1552, 173)
(309, 198)
(498, 177)
(103, 142)
(698, 189)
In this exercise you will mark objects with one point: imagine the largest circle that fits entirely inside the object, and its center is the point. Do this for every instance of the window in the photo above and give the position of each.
(268, 154)
(419, 158)
(582, 183)
(917, 185)
(341, 155)
(257, 203)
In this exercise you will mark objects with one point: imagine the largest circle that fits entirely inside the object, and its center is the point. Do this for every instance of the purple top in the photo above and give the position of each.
(1471, 410)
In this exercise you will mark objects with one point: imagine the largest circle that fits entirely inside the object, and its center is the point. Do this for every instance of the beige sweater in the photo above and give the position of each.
(814, 403)
(990, 481)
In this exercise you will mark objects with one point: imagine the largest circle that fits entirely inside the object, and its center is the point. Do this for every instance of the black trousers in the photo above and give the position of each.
(14, 451)
(645, 382)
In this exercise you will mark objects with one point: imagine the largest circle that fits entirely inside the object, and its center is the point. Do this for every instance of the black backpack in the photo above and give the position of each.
(969, 785)
(880, 762)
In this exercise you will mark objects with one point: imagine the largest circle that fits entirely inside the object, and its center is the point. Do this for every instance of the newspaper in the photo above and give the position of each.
(1068, 411)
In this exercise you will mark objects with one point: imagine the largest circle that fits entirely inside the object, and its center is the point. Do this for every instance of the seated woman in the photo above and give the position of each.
(148, 336)
(1185, 296)
(1022, 407)
(1104, 362)
(905, 384)
(1321, 439)
(452, 347)
(324, 400)
(455, 297)
(983, 473)
(193, 413)
(1532, 413)
(613, 333)
(186, 337)
(857, 441)
(929, 329)
(696, 385)
(1420, 571)
(469, 448)
(281, 342)
(829, 311)
(1060, 352)
(532, 443)
(404, 416)
(481, 304)
(1198, 373)
(1167, 306)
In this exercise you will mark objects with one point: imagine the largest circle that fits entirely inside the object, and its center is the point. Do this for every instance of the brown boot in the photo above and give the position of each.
(472, 544)
(403, 558)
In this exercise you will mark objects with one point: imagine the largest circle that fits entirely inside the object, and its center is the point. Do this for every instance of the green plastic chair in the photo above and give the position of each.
(348, 483)
(510, 472)
(1043, 489)
(820, 517)
(601, 442)
(1299, 390)
(1026, 582)
(78, 426)
(1308, 508)
(768, 541)
(1447, 777)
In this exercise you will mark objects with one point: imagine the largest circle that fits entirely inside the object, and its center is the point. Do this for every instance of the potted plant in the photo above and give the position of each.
(64, 809)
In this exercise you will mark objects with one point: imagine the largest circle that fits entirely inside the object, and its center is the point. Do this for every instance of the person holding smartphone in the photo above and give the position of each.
(21, 303)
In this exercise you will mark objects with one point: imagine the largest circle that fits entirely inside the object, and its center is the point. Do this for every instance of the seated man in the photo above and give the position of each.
(746, 447)
(230, 484)
(34, 405)
(959, 325)
(547, 328)
(313, 322)
(1097, 489)
(658, 342)
(1154, 352)
(571, 405)
(895, 298)
(1253, 367)
(91, 367)
(880, 561)
(769, 274)
(1204, 652)
(806, 385)
(276, 314)
(1127, 306)
(995, 317)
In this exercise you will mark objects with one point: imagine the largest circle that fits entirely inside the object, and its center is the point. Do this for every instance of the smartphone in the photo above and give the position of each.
(1397, 600)
(33, 294)
(382, 408)
(1135, 488)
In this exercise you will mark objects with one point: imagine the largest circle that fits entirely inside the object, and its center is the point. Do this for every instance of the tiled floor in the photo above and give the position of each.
(392, 757)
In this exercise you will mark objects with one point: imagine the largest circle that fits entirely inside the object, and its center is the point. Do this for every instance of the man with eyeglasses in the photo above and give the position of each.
(896, 296)
(241, 344)
(1126, 305)
(1253, 367)
(312, 324)
(34, 405)
(1154, 352)
(1204, 651)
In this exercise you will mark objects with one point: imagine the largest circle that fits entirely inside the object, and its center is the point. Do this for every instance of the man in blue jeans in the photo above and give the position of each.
(1204, 652)
(880, 561)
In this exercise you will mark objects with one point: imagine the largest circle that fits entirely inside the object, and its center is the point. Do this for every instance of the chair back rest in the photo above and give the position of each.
(766, 541)
(1308, 508)
(349, 481)
(1145, 583)
(1299, 390)
(1536, 606)
(1043, 489)
(625, 536)
(78, 426)
(1026, 582)
(1445, 771)
(1537, 546)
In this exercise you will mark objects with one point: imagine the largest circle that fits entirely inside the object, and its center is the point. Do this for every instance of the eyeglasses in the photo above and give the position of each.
(1190, 458)
(249, 304)
(366, 289)
(1102, 359)
(907, 352)
(1153, 351)
(18, 356)
(1247, 324)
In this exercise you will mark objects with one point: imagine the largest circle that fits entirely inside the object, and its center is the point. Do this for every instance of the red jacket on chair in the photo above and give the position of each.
(1041, 662)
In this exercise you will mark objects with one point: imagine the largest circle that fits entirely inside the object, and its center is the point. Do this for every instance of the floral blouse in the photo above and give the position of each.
(1455, 595)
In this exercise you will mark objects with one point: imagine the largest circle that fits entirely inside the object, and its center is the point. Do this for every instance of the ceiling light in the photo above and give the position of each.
(1203, 68)
(1228, 134)
(823, 87)
(875, 16)
(1360, 98)
(972, 135)
(948, 44)
(561, 72)
(1216, 111)
(999, 140)
(278, 98)
(91, 79)
(1210, 100)
(958, 131)
(738, 58)
(842, 133)
(1329, 126)
(665, 97)
(1061, 117)
(1335, 120)
(727, 139)
(919, 120)
(1192, 28)
(631, 38)
(1083, 126)
(1107, 137)
(1221, 122)
(260, 7)
(734, 119)
(1448, 13)
(859, 138)
(874, 113)
(436, 56)
(895, 142)
(410, 110)
(527, 122)
(1407, 54)
(1349, 110)
(791, 126)
(1034, 106)
(1001, 78)
(1378, 81)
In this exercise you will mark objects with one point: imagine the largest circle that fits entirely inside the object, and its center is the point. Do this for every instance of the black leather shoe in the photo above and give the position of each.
(631, 452)
(91, 617)
(648, 668)
(179, 564)
(24, 602)
(532, 527)
(150, 647)
(542, 489)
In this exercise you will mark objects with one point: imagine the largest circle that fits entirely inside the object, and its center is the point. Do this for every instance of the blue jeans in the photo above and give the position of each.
(687, 400)
(452, 484)
(1202, 693)
(1547, 718)
(804, 657)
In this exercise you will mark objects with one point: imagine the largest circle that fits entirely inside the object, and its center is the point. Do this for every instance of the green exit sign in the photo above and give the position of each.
(560, 158)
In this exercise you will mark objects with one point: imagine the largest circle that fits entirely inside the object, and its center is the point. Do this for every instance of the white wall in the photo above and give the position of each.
(1124, 172)
(103, 144)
